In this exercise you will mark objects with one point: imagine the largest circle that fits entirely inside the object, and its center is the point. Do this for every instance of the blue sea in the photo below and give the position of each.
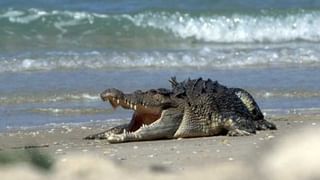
(56, 56)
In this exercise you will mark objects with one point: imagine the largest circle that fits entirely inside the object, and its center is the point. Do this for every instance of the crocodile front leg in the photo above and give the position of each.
(163, 128)
(105, 134)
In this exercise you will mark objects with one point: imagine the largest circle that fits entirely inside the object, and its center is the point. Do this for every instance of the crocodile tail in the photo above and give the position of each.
(253, 108)
(249, 102)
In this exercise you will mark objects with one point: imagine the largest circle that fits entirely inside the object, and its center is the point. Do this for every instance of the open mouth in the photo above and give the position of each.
(144, 114)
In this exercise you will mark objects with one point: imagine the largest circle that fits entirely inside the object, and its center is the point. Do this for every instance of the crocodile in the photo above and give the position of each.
(191, 108)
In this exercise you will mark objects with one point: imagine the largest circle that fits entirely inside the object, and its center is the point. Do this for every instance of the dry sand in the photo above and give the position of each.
(291, 152)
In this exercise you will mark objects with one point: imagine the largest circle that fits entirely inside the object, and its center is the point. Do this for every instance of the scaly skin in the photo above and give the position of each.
(193, 108)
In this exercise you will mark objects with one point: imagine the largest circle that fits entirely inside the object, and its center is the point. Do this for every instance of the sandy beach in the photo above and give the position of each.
(171, 158)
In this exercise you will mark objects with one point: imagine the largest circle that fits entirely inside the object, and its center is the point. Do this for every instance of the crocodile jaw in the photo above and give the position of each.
(155, 115)
(143, 114)
(163, 128)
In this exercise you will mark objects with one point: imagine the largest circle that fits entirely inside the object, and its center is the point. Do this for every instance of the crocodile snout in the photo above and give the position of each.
(111, 93)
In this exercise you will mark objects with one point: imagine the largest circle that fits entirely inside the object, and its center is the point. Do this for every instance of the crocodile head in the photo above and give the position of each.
(148, 106)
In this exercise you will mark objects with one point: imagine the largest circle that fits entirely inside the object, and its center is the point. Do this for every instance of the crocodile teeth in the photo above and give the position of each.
(118, 101)
(135, 107)
(125, 132)
(145, 126)
(131, 106)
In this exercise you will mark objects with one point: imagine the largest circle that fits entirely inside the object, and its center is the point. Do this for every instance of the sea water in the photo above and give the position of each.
(56, 56)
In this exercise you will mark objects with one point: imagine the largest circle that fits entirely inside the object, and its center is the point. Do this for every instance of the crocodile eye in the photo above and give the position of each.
(152, 91)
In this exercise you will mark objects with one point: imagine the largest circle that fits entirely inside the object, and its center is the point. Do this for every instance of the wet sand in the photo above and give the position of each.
(174, 158)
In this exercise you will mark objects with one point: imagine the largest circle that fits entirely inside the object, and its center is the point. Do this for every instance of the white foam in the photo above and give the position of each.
(11, 14)
(199, 58)
(69, 111)
(16, 99)
(27, 63)
(90, 97)
(219, 28)
(287, 94)
(24, 17)
(234, 28)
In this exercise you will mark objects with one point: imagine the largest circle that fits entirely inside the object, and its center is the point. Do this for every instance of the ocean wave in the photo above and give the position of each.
(286, 94)
(293, 111)
(235, 27)
(70, 111)
(269, 26)
(68, 97)
(205, 57)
